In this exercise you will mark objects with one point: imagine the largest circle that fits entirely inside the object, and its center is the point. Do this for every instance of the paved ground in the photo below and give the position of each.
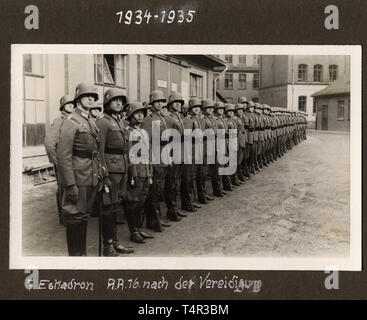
(298, 206)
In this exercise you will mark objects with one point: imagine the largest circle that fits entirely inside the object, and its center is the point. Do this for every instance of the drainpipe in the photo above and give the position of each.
(217, 77)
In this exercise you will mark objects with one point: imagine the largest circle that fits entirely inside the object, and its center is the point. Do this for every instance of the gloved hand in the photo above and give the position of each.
(107, 182)
(72, 193)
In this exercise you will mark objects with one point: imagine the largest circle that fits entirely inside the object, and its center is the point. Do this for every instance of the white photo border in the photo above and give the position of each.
(351, 263)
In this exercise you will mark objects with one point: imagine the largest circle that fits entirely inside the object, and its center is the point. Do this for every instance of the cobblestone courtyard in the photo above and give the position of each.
(297, 206)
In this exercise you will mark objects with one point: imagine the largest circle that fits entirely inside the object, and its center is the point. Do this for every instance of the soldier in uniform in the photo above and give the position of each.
(96, 111)
(202, 168)
(139, 177)
(231, 124)
(52, 138)
(113, 150)
(192, 121)
(79, 166)
(174, 174)
(260, 128)
(242, 140)
(211, 123)
(152, 205)
(222, 124)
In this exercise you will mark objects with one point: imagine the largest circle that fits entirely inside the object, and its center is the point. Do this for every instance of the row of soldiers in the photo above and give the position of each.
(89, 146)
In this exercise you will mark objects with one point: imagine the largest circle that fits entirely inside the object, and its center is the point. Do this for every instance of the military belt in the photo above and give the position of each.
(251, 129)
(83, 154)
(114, 151)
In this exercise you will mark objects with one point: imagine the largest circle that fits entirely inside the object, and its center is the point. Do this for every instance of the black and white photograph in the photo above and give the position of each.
(185, 157)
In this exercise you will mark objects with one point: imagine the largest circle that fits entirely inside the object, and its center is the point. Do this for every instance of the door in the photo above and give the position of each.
(324, 122)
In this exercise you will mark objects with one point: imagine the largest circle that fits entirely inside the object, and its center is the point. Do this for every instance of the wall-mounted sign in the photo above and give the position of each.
(174, 87)
(162, 83)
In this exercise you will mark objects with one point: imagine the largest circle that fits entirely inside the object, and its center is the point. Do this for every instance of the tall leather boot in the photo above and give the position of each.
(116, 244)
(260, 162)
(132, 221)
(227, 184)
(107, 234)
(83, 237)
(73, 239)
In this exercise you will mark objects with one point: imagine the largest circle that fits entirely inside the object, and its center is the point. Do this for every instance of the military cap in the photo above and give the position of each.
(156, 95)
(195, 102)
(240, 106)
(66, 99)
(242, 100)
(96, 105)
(208, 103)
(134, 107)
(175, 97)
(219, 105)
(250, 104)
(85, 89)
(230, 107)
(114, 93)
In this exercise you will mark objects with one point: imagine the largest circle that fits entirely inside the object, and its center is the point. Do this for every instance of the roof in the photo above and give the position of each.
(243, 69)
(207, 61)
(336, 87)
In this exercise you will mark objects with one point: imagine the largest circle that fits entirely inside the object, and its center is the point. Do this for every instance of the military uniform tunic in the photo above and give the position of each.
(78, 161)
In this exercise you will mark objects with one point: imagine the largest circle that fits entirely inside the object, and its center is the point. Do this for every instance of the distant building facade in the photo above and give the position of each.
(290, 81)
(240, 79)
(333, 107)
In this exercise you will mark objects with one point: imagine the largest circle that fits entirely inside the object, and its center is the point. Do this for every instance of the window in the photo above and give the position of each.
(302, 72)
(242, 59)
(216, 81)
(33, 63)
(317, 73)
(256, 81)
(242, 81)
(34, 115)
(340, 110)
(314, 108)
(333, 72)
(196, 85)
(228, 81)
(256, 60)
(302, 103)
(109, 69)
(228, 58)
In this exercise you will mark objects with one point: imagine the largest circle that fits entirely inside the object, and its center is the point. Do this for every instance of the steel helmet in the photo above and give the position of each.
(156, 95)
(133, 107)
(97, 105)
(85, 88)
(114, 93)
(240, 106)
(219, 105)
(195, 102)
(242, 100)
(176, 97)
(208, 103)
(250, 104)
(230, 107)
(66, 99)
